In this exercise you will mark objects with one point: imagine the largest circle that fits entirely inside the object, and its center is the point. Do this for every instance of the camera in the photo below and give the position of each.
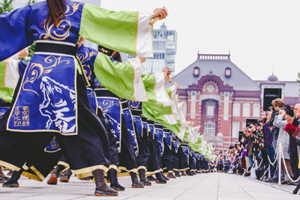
(270, 108)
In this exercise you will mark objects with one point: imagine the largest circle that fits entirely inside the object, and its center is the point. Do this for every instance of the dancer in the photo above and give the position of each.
(31, 113)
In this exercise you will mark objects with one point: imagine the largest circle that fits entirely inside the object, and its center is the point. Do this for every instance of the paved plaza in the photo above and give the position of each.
(217, 186)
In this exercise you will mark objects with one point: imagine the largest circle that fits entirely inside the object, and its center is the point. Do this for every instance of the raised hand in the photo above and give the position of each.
(160, 13)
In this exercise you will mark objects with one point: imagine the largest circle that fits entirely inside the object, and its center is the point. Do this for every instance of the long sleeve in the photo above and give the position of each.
(14, 34)
(122, 79)
(155, 89)
(126, 80)
(279, 122)
(289, 128)
(124, 31)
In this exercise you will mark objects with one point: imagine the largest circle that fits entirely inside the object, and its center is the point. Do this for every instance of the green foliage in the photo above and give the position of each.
(6, 6)
(31, 2)
(31, 51)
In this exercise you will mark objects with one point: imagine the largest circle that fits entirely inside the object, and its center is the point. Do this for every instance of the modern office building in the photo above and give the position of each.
(164, 51)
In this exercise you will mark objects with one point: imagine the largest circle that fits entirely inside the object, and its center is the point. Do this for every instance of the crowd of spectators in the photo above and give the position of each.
(257, 152)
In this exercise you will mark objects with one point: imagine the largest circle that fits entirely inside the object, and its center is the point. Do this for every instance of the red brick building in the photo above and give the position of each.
(221, 98)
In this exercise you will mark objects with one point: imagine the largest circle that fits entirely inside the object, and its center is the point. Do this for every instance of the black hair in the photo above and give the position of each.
(117, 56)
(289, 110)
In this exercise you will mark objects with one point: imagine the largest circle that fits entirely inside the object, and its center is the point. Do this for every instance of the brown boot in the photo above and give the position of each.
(143, 179)
(135, 181)
(171, 175)
(53, 178)
(102, 188)
(66, 177)
(151, 178)
(13, 181)
(177, 174)
(160, 179)
(114, 183)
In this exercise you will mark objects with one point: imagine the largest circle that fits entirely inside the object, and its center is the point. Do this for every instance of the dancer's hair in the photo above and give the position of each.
(117, 56)
(56, 11)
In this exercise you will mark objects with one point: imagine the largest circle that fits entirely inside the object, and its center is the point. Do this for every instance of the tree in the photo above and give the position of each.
(6, 6)
(31, 2)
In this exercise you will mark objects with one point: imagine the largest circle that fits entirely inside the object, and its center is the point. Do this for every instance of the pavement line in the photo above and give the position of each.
(242, 188)
(190, 188)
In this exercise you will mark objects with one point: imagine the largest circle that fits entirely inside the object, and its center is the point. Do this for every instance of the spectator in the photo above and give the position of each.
(280, 122)
(268, 140)
(220, 161)
(293, 129)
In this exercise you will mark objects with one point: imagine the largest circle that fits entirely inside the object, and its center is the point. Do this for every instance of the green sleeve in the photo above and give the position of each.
(6, 93)
(126, 81)
(117, 77)
(124, 31)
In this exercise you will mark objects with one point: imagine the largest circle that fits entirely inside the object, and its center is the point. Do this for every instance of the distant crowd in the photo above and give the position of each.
(262, 144)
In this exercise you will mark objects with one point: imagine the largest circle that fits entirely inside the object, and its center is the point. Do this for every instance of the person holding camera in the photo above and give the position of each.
(277, 104)
(280, 121)
(268, 140)
(293, 129)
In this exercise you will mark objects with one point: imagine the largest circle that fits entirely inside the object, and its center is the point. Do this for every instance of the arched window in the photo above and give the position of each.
(246, 110)
(210, 108)
(236, 110)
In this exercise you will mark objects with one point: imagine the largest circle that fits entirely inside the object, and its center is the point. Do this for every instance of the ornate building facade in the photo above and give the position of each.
(222, 98)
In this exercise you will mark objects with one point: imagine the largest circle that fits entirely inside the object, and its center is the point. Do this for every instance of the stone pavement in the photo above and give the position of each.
(217, 186)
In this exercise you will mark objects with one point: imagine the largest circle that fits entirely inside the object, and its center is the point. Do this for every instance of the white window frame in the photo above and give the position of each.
(236, 110)
(210, 128)
(235, 129)
(256, 110)
(210, 111)
(246, 110)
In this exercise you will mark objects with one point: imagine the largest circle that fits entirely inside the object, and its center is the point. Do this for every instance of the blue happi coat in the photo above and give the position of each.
(47, 97)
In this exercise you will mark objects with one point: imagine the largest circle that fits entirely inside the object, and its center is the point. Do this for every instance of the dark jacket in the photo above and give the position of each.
(275, 130)
(268, 136)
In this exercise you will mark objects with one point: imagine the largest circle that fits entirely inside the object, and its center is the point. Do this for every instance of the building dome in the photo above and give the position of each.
(272, 78)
